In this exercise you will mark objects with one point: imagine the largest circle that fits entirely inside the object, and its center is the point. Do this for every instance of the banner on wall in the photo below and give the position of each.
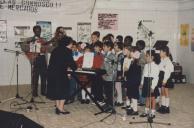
(28, 5)
(46, 29)
(184, 35)
(192, 39)
(47, 6)
(3, 31)
(107, 21)
(83, 32)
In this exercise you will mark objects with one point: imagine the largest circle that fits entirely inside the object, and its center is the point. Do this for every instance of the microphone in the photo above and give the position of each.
(150, 33)
(5, 49)
(147, 21)
(139, 24)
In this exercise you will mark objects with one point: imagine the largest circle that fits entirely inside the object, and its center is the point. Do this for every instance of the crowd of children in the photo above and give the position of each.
(133, 75)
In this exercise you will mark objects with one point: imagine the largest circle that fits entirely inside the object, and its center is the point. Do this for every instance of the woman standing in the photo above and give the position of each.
(58, 83)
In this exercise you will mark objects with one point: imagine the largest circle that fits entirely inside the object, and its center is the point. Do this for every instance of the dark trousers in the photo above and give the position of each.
(39, 68)
(108, 91)
(97, 88)
(72, 88)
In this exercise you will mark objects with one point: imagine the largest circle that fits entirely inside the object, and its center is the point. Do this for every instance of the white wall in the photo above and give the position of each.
(184, 54)
(163, 14)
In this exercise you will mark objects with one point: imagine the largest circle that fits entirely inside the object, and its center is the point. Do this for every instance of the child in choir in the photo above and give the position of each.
(72, 81)
(84, 78)
(97, 87)
(126, 65)
(109, 77)
(149, 83)
(142, 61)
(80, 47)
(118, 47)
(133, 76)
(98, 56)
(165, 81)
(76, 52)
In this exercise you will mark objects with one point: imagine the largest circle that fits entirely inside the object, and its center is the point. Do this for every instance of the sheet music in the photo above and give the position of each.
(88, 60)
(35, 47)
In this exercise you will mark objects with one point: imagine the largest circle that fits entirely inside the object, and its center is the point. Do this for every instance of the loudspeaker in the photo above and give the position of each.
(13, 120)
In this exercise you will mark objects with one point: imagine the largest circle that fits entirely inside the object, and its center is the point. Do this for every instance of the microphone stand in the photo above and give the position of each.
(113, 111)
(32, 101)
(148, 34)
(17, 96)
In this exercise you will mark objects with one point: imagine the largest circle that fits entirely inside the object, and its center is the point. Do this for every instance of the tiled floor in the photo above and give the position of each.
(82, 115)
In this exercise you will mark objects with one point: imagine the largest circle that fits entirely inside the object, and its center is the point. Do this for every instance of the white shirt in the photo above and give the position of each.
(151, 70)
(117, 53)
(166, 66)
(126, 64)
(75, 58)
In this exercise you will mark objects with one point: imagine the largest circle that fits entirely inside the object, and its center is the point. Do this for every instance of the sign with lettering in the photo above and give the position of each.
(3, 31)
(28, 5)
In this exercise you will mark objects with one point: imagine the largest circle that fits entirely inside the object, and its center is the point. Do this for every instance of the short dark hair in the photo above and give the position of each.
(88, 47)
(119, 38)
(120, 45)
(98, 44)
(128, 40)
(166, 50)
(65, 41)
(106, 38)
(36, 27)
(109, 43)
(156, 56)
(140, 44)
(96, 33)
(74, 42)
(110, 35)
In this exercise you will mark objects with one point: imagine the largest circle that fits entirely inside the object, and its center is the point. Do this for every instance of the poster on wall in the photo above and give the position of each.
(46, 29)
(68, 31)
(21, 31)
(192, 39)
(83, 32)
(184, 35)
(107, 21)
(3, 31)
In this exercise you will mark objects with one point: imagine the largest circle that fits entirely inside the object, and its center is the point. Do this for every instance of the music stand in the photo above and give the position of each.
(17, 96)
(27, 48)
(159, 44)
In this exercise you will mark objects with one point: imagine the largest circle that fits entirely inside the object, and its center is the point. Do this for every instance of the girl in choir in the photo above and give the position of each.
(149, 83)
(133, 76)
(118, 47)
(126, 65)
(165, 81)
